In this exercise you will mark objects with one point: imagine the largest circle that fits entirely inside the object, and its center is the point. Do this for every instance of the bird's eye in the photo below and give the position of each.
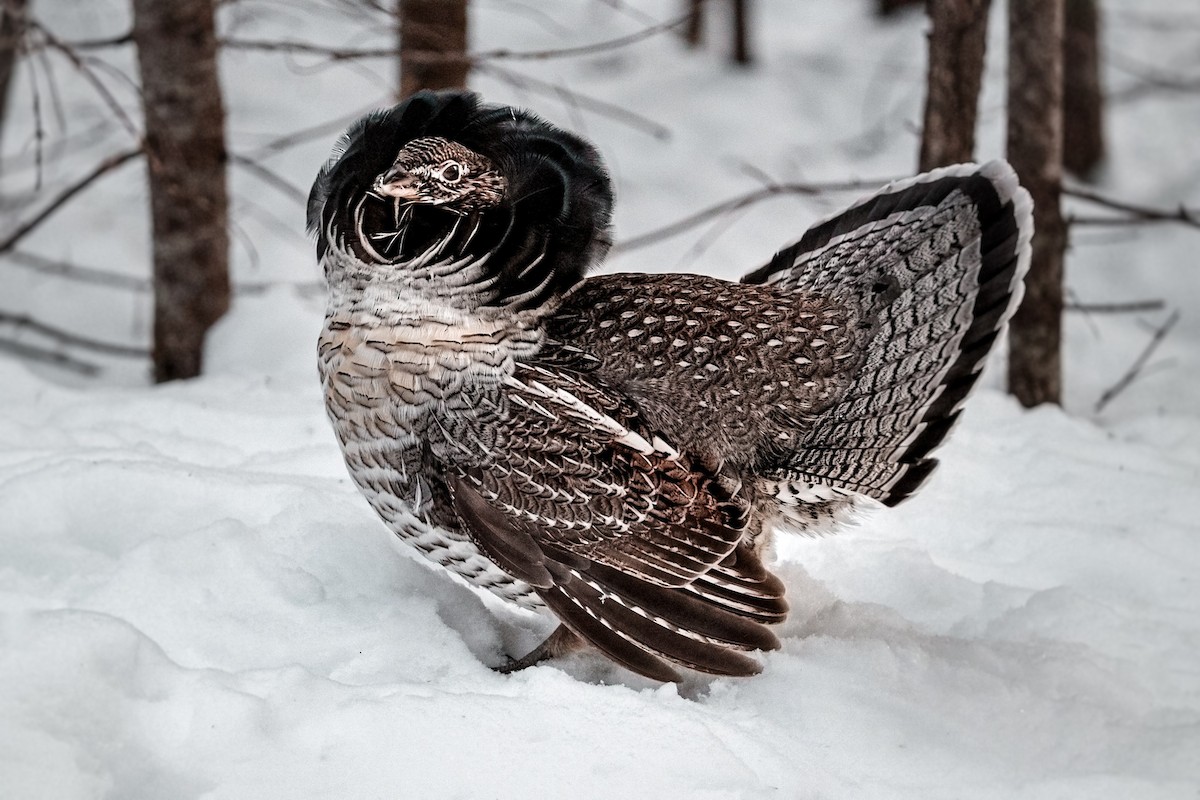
(451, 172)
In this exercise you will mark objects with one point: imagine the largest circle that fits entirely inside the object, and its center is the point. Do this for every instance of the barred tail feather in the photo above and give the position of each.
(646, 627)
(935, 263)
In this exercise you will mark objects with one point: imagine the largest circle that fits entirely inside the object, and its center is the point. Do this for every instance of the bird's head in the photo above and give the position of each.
(438, 172)
(488, 205)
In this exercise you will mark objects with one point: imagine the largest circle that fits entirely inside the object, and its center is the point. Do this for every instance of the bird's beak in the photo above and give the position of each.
(397, 183)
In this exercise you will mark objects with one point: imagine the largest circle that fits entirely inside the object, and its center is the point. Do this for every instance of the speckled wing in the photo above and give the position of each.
(730, 372)
(837, 368)
(635, 549)
(736, 374)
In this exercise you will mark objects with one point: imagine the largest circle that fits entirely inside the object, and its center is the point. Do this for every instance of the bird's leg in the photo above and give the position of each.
(560, 643)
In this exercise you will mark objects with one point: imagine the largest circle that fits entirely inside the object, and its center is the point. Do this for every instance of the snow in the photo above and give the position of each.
(195, 601)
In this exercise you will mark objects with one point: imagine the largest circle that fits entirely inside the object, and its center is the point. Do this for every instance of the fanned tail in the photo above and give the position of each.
(933, 266)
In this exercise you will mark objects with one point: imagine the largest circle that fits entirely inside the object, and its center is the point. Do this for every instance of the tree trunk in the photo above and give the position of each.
(1035, 32)
(957, 45)
(12, 25)
(887, 7)
(693, 32)
(185, 148)
(1083, 98)
(741, 32)
(433, 45)
(739, 10)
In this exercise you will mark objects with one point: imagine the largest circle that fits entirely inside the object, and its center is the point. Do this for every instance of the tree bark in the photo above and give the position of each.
(741, 32)
(433, 45)
(185, 147)
(887, 7)
(957, 46)
(693, 32)
(12, 27)
(1083, 97)
(742, 51)
(1035, 31)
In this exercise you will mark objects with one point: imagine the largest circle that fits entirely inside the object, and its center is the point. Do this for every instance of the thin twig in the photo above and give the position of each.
(56, 101)
(73, 339)
(39, 130)
(1134, 307)
(239, 233)
(318, 131)
(438, 56)
(104, 167)
(270, 177)
(1072, 298)
(1131, 374)
(1138, 213)
(585, 102)
(1150, 88)
(66, 144)
(31, 353)
(734, 204)
(105, 95)
(1083, 221)
(131, 283)
(1150, 79)
(75, 272)
(303, 288)
(98, 44)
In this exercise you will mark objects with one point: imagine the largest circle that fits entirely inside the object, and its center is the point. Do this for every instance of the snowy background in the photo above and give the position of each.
(196, 603)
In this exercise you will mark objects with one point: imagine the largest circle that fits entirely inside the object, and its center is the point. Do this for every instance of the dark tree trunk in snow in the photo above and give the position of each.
(1083, 98)
(693, 32)
(1035, 30)
(957, 44)
(741, 32)
(886, 7)
(185, 148)
(12, 24)
(433, 44)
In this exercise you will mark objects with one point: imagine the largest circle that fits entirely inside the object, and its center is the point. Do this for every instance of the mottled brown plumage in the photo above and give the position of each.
(619, 449)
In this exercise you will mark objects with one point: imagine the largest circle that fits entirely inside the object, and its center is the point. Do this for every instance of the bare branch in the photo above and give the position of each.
(39, 129)
(270, 177)
(74, 272)
(318, 131)
(1131, 374)
(1117, 222)
(63, 145)
(582, 101)
(1138, 213)
(736, 203)
(73, 339)
(1158, 20)
(1150, 79)
(101, 169)
(1149, 87)
(434, 56)
(115, 280)
(31, 353)
(105, 95)
(303, 288)
(1132, 307)
(100, 44)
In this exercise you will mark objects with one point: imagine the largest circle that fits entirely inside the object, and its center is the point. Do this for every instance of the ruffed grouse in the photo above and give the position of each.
(619, 449)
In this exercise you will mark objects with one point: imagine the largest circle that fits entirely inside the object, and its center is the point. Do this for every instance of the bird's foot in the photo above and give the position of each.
(559, 643)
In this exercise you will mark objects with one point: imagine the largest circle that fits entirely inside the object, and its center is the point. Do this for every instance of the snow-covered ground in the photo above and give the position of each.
(196, 602)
